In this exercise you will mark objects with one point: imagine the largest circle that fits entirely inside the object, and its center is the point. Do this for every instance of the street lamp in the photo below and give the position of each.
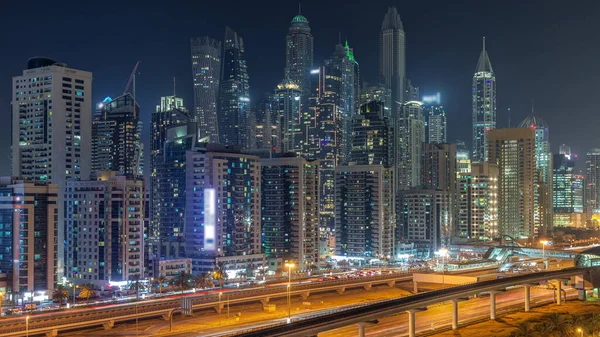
(220, 295)
(1, 300)
(27, 326)
(544, 243)
(580, 332)
(289, 266)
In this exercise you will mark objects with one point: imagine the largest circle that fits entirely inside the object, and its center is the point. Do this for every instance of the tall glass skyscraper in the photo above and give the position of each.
(299, 54)
(392, 56)
(543, 174)
(234, 93)
(409, 139)
(206, 69)
(592, 168)
(484, 105)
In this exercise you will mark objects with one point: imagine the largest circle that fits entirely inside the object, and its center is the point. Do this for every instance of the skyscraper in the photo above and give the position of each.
(463, 158)
(173, 133)
(168, 103)
(477, 203)
(566, 184)
(513, 150)
(223, 210)
(410, 136)
(234, 93)
(564, 149)
(290, 210)
(392, 57)
(206, 71)
(484, 105)
(373, 92)
(543, 172)
(116, 132)
(286, 117)
(299, 55)
(29, 244)
(371, 136)
(592, 190)
(95, 211)
(435, 124)
(424, 220)
(438, 167)
(51, 127)
(364, 212)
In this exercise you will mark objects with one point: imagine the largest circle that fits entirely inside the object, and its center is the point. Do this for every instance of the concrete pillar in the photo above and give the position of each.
(558, 292)
(527, 297)
(492, 305)
(411, 323)
(415, 287)
(361, 329)
(454, 314)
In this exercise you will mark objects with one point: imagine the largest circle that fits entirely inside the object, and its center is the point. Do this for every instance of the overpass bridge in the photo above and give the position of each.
(370, 313)
(51, 324)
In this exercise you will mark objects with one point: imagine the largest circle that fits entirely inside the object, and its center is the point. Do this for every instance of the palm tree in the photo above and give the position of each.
(542, 329)
(219, 273)
(182, 281)
(160, 280)
(136, 285)
(60, 294)
(87, 291)
(203, 281)
(525, 330)
(559, 324)
(261, 273)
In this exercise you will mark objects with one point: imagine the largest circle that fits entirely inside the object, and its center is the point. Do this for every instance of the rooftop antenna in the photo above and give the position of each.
(299, 9)
(532, 105)
(339, 37)
(484, 43)
(509, 117)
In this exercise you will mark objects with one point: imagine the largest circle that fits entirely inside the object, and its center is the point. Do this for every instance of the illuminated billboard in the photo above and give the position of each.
(210, 218)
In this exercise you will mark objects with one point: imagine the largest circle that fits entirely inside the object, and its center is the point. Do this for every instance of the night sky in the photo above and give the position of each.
(543, 50)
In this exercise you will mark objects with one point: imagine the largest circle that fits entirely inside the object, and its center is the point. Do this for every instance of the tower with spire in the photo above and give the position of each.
(392, 56)
(484, 105)
(299, 53)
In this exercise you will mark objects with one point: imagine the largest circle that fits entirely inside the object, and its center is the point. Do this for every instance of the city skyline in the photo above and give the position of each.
(435, 61)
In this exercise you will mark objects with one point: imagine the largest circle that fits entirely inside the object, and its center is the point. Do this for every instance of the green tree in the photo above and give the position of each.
(542, 329)
(160, 281)
(524, 330)
(136, 285)
(60, 294)
(203, 281)
(182, 281)
(219, 273)
(87, 291)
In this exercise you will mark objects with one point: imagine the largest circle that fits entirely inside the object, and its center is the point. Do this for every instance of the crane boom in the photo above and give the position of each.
(131, 77)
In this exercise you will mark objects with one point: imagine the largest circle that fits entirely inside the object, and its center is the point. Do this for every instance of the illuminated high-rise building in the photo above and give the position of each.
(438, 167)
(513, 150)
(592, 189)
(392, 57)
(28, 244)
(95, 211)
(543, 171)
(233, 110)
(564, 149)
(409, 139)
(567, 183)
(290, 210)
(364, 212)
(206, 71)
(435, 124)
(299, 55)
(173, 133)
(371, 136)
(463, 158)
(51, 127)
(116, 133)
(484, 105)
(223, 209)
(168, 103)
(380, 93)
(477, 203)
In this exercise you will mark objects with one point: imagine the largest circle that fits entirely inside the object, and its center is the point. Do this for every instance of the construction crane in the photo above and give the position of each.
(131, 78)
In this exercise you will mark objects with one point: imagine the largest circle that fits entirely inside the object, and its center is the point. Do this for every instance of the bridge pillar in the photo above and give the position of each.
(527, 297)
(52, 333)
(108, 325)
(415, 287)
(493, 305)
(341, 290)
(219, 307)
(392, 283)
(558, 292)
(305, 295)
(412, 321)
(455, 314)
(361, 329)
(368, 286)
